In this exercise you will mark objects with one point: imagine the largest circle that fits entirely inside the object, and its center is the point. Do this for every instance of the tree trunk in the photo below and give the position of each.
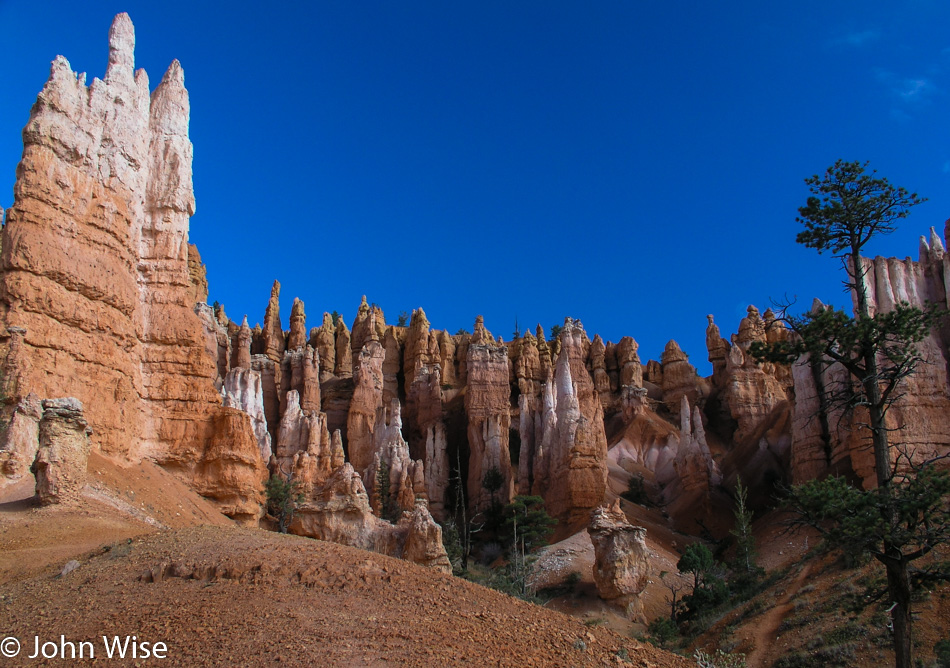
(872, 389)
(898, 587)
(898, 579)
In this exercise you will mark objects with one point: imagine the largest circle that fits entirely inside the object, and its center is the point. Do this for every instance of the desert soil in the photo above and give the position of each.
(156, 562)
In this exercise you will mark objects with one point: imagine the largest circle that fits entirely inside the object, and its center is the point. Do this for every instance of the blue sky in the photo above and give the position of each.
(636, 165)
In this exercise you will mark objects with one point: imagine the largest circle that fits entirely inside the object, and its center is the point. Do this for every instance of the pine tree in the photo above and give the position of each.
(744, 561)
(907, 515)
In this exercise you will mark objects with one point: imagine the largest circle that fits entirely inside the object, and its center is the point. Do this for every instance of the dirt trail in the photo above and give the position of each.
(764, 632)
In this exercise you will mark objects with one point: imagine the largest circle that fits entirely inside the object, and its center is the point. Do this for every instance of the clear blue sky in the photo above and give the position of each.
(636, 165)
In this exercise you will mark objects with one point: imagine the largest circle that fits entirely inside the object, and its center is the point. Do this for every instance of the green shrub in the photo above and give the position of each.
(636, 492)
(452, 542)
(283, 495)
(942, 650)
(663, 631)
(796, 660)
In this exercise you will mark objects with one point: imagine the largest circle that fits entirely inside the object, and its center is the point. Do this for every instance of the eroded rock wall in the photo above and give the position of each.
(95, 277)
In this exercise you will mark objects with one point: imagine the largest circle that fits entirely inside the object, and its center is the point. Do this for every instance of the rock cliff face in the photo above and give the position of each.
(423, 362)
(487, 406)
(243, 390)
(337, 509)
(576, 461)
(230, 470)
(20, 440)
(106, 177)
(824, 437)
(366, 402)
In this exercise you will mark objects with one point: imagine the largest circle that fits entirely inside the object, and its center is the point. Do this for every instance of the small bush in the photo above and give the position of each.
(283, 495)
(845, 633)
(636, 492)
(452, 542)
(796, 660)
(837, 655)
(663, 630)
(942, 650)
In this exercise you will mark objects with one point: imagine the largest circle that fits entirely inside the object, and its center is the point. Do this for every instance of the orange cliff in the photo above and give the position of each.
(95, 270)
(98, 292)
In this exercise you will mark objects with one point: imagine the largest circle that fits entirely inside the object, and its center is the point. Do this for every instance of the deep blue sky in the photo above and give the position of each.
(636, 165)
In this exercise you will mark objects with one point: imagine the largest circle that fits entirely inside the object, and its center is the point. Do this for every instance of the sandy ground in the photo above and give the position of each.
(157, 562)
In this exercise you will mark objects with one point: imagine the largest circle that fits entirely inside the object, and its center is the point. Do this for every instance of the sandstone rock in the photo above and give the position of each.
(300, 371)
(425, 425)
(367, 399)
(392, 363)
(679, 378)
(634, 402)
(546, 439)
(598, 369)
(621, 569)
(416, 353)
(424, 540)
(270, 373)
(19, 441)
(480, 335)
(544, 354)
(577, 458)
(321, 456)
(257, 340)
(106, 177)
(631, 370)
(694, 465)
(274, 342)
(231, 472)
(243, 390)
(344, 362)
(750, 390)
(530, 382)
(60, 463)
(486, 404)
(241, 351)
(751, 328)
(298, 326)
(323, 339)
(369, 325)
(647, 441)
(16, 372)
(293, 436)
(427, 435)
(718, 349)
(406, 478)
(197, 276)
(824, 439)
(217, 341)
(613, 367)
(461, 356)
(447, 357)
(339, 511)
